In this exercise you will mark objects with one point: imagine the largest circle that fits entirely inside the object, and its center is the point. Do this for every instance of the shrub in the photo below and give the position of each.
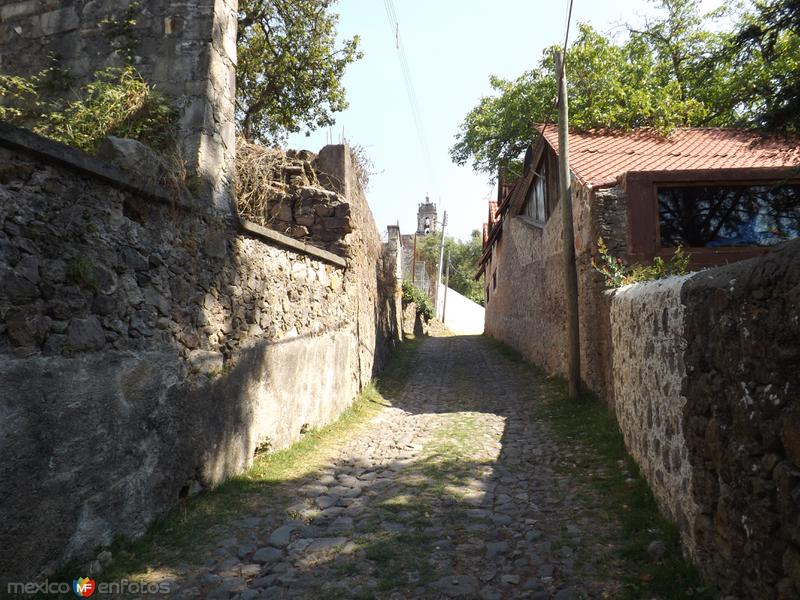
(412, 294)
(19, 96)
(259, 181)
(617, 273)
(118, 101)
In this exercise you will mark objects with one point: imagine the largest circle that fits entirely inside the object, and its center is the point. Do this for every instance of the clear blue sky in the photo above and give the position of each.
(452, 46)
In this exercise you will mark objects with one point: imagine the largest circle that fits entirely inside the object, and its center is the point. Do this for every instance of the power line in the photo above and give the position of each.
(391, 14)
(566, 37)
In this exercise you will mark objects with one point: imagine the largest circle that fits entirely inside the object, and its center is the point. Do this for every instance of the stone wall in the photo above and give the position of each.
(526, 292)
(147, 350)
(707, 373)
(294, 201)
(186, 50)
(701, 371)
(525, 278)
(743, 421)
(648, 366)
(393, 266)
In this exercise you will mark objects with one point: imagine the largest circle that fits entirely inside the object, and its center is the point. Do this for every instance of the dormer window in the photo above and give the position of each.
(536, 202)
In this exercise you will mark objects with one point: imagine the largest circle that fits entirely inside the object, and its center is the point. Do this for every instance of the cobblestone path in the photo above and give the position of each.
(454, 491)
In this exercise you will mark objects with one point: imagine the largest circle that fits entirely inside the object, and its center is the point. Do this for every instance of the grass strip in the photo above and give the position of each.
(182, 534)
(618, 490)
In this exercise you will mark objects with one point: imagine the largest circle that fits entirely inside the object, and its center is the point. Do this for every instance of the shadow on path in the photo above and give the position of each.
(453, 491)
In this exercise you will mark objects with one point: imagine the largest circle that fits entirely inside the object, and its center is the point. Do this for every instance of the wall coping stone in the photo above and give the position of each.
(18, 138)
(42, 147)
(285, 240)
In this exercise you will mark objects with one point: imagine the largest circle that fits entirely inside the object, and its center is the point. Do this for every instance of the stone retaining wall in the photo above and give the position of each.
(146, 351)
(707, 376)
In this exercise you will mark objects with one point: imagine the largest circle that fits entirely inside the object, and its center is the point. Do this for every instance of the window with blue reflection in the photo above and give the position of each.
(729, 215)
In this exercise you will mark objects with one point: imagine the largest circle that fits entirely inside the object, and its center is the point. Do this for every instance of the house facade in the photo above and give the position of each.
(723, 195)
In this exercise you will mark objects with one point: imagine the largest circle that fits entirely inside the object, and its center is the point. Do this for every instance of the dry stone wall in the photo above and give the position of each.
(707, 373)
(147, 350)
(743, 421)
(281, 190)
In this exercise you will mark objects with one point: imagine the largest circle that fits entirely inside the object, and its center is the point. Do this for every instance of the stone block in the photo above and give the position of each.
(343, 224)
(57, 21)
(206, 361)
(85, 335)
(133, 156)
(26, 330)
(18, 289)
(216, 244)
(15, 10)
(790, 435)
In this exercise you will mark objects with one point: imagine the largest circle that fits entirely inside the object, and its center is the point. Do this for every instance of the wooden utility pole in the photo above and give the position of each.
(568, 235)
(439, 270)
(446, 285)
(414, 261)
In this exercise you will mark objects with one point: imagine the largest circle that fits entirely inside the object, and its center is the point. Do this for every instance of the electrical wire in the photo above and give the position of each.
(560, 74)
(405, 68)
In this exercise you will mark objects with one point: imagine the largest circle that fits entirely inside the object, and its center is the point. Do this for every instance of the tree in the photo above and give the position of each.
(765, 51)
(610, 86)
(289, 67)
(498, 130)
(464, 259)
(672, 71)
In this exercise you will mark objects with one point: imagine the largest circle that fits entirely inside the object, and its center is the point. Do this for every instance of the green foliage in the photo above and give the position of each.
(412, 294)
(116, 102)
(500, 128)
(120, 30)
(289, 68)
(464, 259)
(617, 273)
(81, 272)
(676, 70)
(765, 53)
(19, 93)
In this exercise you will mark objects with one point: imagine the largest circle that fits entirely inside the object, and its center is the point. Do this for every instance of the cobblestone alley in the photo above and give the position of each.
(454, 491)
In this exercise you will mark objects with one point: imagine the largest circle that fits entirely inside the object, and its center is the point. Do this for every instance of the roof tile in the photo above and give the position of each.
(598, 157)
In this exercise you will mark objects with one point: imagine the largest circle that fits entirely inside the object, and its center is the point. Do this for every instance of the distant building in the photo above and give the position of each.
(426, 217)
(418, 271)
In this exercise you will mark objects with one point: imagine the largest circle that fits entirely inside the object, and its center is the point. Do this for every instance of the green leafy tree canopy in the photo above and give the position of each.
(464, 259)
(765, 53)
(289, 67)
(675, 70)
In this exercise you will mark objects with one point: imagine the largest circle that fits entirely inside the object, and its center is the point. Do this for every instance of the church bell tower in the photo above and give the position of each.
(426, 217)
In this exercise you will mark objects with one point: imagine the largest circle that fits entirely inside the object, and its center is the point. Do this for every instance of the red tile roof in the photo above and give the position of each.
(599, 158)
